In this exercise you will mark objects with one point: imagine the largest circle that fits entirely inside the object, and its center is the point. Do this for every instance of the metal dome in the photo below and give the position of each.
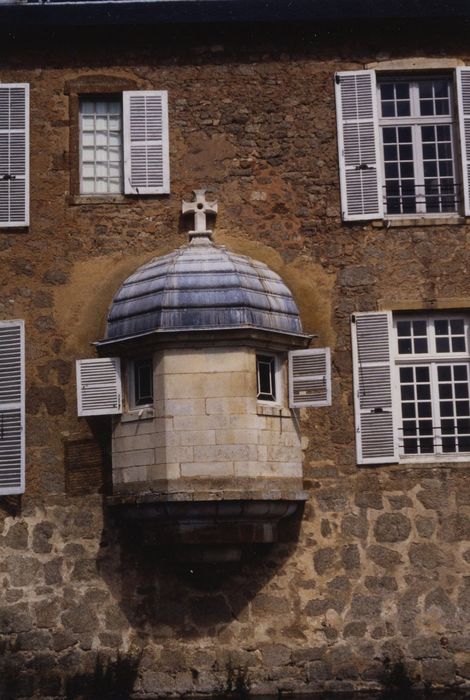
(202, 286)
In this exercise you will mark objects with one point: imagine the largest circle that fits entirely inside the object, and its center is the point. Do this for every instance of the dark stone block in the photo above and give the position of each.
(354, 526)
(392, 527)
(350, 557)
(324, 560)
(17, 536)
(210, 610)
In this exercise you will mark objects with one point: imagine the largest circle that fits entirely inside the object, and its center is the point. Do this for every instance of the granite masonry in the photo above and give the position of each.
(377, 563)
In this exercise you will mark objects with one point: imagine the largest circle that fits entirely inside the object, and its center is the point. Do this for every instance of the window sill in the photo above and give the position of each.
(272, 410)
(81, 199)
(143, 413)
(435, 460)
(451, 220)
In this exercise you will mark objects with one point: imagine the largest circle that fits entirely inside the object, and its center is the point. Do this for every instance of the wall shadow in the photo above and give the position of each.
(166, 587)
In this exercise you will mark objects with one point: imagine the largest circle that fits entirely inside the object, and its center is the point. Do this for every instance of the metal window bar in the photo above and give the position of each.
(430, 198)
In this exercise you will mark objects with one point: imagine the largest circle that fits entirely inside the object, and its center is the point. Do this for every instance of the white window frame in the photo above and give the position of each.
(108, 99)
(431, 359)
(360, 148)
(415, 121)
(144, 158)
(278, 379)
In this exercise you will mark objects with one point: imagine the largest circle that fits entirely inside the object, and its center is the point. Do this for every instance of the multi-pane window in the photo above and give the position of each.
(266, 377)
(417, 131)
(101, 161)
(433, 364)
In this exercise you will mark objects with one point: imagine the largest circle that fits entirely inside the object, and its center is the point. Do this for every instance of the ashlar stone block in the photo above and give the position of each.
(195, 469)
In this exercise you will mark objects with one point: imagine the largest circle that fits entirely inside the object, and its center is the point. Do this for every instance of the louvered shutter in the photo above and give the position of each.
(309, 378)
(99, 386)
(14, 154)
(12, 442)
(376, 437)
(358, 146)
(146, 149)
(463, 103)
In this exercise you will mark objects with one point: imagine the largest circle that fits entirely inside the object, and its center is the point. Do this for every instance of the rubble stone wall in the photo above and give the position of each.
(379, 564)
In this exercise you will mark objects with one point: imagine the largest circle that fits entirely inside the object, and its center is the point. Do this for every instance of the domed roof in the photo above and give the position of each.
(202, 286)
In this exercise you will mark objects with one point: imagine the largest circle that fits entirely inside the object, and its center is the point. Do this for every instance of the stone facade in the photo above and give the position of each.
(379, 563)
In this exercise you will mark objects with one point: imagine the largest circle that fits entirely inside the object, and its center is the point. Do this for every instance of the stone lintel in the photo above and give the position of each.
(416, 63)
(443, 303)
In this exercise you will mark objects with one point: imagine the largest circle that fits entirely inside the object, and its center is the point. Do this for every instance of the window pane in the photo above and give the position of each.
(143, 382)
(100, 144)
(265, 373)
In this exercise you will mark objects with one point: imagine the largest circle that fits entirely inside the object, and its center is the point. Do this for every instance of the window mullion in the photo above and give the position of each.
(418, 166)
(436, 414)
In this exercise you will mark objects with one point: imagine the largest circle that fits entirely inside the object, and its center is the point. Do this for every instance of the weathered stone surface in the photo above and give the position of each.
(17, 536)
(365, 606)
(52, 571)
(47, 613)
(426, 647)
(354, 526)
(324, 560)
(425, 526)
(301, 656)
(384, 557)
(210, 610)
(438, 671)
(356, 276)
(78, 618)
(399, 502)
(23, 569)
(331, 499)
(432, 498)
(377, 584)
(274, 655)
(42, 534)
(426, 555)
(350, 557)
(355, 629)
(392, 527)
(369, 499)
(455, 527)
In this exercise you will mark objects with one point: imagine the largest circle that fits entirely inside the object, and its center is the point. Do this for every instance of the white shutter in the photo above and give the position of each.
(376, 437)
(14, 154)
(463, 102)
(146, 149)
(99, 386)
(309, 378)
(358, 145)
(12, 411)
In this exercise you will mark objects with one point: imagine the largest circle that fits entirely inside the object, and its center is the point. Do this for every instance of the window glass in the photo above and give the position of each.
(143, 382)
(266, 377)
(101, 146)
(434, 385)
(417, 131)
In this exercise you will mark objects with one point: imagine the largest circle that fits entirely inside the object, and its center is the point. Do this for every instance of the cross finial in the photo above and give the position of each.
(200, 208)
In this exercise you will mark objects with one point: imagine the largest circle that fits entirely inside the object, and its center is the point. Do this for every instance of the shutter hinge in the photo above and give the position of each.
(363, 166)
(337, 79)
(8, 177)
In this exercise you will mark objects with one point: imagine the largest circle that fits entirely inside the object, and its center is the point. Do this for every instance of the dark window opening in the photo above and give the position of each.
(143, 381)
(266, 377)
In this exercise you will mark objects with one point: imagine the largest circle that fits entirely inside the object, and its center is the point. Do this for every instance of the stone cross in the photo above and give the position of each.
(200, 208)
